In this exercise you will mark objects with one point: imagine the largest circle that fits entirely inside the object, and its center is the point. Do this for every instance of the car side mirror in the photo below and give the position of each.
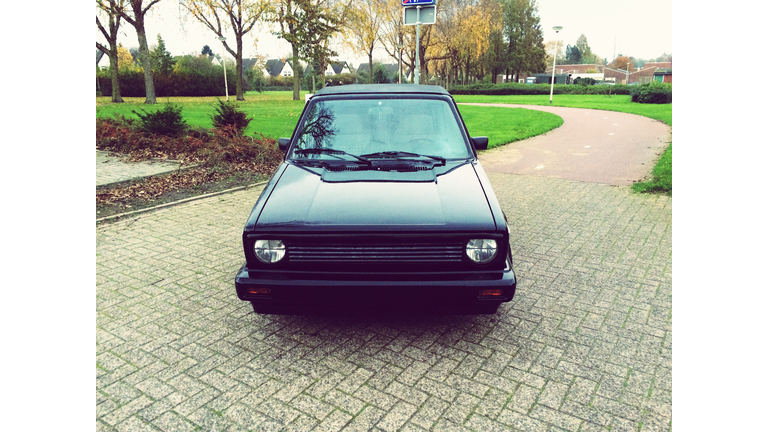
(480, 143)
(283, 143)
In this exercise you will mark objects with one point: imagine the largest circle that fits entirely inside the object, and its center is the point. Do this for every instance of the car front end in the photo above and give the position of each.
(355, 220)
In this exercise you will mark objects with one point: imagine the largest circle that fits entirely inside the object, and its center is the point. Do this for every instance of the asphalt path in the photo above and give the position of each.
(592, 145)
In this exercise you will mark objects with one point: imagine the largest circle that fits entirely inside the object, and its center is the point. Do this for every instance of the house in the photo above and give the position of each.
(278, 67)
(663, 75)
(338, 67)
(576, 69)
(249, 63)
(273, 67)
(660, 65)
(642, 76)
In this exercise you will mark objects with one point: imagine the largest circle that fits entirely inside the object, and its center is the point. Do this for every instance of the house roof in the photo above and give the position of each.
(249, 63)
(660, 65)
(633, 76)
(274, 67)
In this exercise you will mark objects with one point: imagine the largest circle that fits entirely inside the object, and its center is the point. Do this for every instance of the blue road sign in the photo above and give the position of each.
(418, 2)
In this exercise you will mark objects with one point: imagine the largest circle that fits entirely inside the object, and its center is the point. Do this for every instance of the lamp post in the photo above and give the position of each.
(224, 63)
(554, 62)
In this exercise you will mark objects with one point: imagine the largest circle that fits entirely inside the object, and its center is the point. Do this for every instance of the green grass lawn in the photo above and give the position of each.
(661, 180)
(621, 103)
(506, 125)
(273, 114)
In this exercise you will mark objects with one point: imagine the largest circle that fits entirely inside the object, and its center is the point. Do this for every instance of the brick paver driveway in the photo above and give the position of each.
(585, 344)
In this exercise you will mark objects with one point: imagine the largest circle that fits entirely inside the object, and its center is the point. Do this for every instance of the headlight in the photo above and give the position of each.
(481, 251)
(269, 251)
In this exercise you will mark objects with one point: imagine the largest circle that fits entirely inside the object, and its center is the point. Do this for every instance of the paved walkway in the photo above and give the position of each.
(586, 344)
(592, 145)
(113, 169)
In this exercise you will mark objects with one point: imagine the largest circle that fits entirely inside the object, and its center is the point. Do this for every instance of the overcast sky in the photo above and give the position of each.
(642, 29)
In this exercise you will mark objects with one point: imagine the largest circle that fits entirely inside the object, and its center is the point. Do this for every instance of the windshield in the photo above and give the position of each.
(373, 126)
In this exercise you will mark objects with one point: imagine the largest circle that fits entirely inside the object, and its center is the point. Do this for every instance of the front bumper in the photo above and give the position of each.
(375, 289)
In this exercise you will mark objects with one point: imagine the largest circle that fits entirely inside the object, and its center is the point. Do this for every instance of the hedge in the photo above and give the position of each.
(539, 89)
(178, 83)
(653, 93)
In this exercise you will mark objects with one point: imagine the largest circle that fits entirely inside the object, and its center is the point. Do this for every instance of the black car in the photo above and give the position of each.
(380, 202)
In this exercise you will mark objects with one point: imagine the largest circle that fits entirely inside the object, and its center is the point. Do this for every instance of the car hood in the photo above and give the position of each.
(300, 198)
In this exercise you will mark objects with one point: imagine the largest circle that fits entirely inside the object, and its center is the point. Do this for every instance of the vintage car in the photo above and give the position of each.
(380, 203)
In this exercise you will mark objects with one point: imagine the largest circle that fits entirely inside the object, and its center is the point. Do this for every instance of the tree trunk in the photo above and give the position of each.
(370, 67)
(146, 63)
(116, 97)
(296, 73)
(239, 68)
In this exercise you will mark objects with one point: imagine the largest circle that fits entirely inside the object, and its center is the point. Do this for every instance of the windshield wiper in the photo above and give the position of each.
(401, 154)
(332, 152)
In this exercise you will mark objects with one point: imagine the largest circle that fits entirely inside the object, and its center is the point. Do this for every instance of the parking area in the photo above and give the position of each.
(586, 344)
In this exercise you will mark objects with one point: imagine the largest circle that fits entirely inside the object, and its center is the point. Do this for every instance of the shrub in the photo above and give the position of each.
(211, 148)
(585, 81)
(227, 114)
(654, 93)
(165, 121)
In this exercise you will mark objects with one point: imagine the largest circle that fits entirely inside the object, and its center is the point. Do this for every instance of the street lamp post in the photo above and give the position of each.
(224, 63)
(554, 62)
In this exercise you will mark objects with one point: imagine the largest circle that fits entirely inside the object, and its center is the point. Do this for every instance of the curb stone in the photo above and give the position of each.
(171, 204)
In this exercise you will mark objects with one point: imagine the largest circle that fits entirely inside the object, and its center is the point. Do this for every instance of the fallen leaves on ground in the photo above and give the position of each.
(153, 187)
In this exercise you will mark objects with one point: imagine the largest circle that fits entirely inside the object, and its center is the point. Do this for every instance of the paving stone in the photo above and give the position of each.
(585, 343)
(397, 416)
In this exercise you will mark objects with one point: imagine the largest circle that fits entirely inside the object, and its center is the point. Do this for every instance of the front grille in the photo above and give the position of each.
(405, 253)
(326, 253)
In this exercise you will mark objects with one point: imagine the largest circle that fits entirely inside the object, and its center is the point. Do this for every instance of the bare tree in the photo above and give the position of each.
(135, 17)
(306, 25)
(242, 16)
(363, 28)
(111, 9)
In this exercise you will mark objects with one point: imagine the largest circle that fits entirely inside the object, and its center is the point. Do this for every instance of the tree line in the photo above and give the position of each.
(471, 39)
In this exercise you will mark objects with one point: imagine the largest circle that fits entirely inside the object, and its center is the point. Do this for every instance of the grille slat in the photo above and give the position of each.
(436, 253)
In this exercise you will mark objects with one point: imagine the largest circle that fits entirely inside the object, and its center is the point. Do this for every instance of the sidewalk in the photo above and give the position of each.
(113, 169)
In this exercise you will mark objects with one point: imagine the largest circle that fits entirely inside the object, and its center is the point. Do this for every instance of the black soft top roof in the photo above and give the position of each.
(382, 89)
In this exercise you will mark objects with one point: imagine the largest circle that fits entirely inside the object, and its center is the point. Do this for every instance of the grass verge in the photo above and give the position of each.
(506, 125)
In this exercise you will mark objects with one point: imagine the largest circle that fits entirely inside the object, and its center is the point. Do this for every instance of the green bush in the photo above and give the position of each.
(652, 93)
(165, 121)
(227, 114)
(585, 81)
